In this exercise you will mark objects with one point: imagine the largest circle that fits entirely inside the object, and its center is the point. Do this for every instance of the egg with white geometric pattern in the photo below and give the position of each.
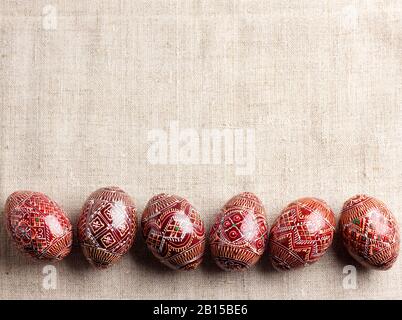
(107, 226)
(174, 231)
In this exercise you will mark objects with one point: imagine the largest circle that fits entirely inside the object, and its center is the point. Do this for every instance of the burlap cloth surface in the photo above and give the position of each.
(84, 84)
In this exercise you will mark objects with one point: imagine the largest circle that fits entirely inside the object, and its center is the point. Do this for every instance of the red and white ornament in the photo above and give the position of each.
(174, 232)
(107, 226)
(38, 226)
(301, 234)
(240, 233)
(370, 232)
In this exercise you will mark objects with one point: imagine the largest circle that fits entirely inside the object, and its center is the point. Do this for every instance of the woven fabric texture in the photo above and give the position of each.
(309, 91)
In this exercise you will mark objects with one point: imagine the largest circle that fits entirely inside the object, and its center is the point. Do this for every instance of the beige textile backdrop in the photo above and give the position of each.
(84, 83)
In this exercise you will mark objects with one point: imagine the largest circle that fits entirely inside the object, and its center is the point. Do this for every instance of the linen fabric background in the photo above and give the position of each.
(83, 83)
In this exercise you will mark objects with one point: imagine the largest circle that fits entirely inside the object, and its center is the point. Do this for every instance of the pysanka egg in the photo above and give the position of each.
(174, 232)
(301, 234)
(107, 226)
(38, 225)
(369, 232)
(240, 233)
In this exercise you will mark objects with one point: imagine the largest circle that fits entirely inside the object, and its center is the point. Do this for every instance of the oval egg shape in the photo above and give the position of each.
(239, 234)
(107, 226)
(301, 234)
(38, 226)
(370, 232)
(174, 232)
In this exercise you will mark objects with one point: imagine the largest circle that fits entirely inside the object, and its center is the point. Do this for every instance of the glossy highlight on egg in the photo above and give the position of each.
(38, 226)
(174, 231)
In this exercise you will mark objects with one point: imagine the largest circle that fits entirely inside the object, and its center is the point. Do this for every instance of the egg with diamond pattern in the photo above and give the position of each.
(107, 226)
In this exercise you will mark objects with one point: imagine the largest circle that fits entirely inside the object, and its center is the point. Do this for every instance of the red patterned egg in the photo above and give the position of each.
(38, 226)
(369, 232)
(240, 233)
(301, 234)
(174, 232)
(107, 226)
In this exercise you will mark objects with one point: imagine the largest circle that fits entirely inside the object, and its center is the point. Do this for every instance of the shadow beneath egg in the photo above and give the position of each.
(264, 265)
(144, 257)
(208, 264)
(10, 257)
(343, 255)
(76, 259)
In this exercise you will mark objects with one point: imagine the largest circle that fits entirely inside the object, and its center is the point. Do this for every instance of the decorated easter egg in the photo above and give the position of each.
(301, 234)
(38, 226)
(174, 232)
(107, 226)
(239, 234)
(369, 232)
